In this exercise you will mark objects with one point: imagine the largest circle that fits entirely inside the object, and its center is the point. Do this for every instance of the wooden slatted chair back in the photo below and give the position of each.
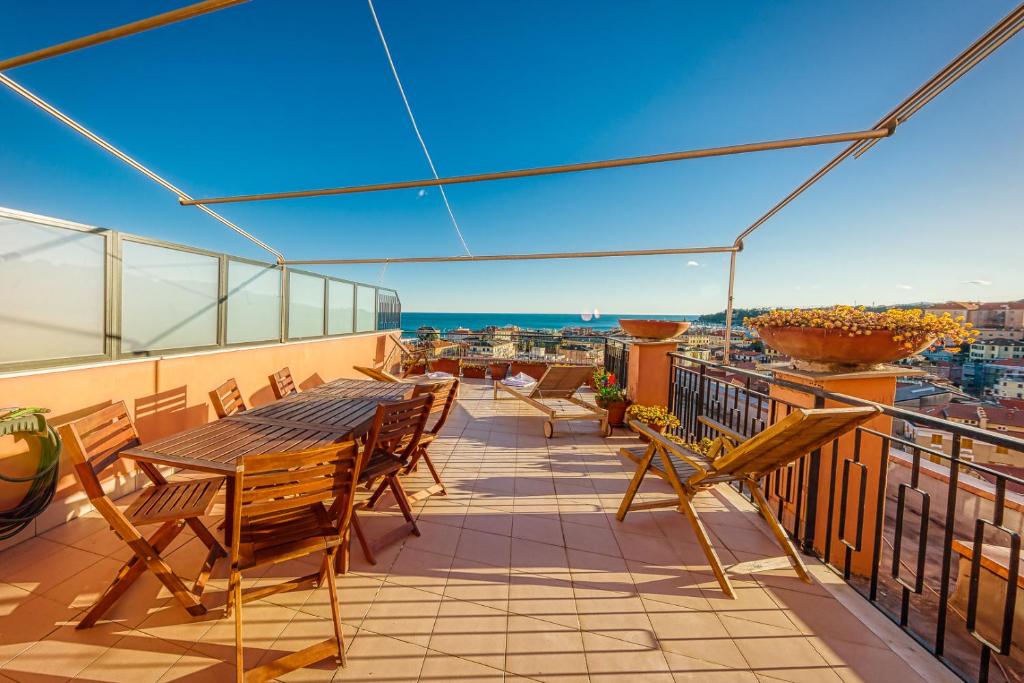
(562, 381)
(94, 442)
(445, 393)
(227, 399)
(282, 383)
(273, 489)
(789, 439)
(399, 425)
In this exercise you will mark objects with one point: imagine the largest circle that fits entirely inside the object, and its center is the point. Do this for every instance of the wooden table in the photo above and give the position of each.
(325, 414)
(332, 412)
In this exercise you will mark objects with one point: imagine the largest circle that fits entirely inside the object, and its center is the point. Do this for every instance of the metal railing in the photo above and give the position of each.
(616, 359)
(928, 505)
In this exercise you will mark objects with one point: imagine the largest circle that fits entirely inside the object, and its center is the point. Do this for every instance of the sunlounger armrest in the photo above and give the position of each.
(722, 429)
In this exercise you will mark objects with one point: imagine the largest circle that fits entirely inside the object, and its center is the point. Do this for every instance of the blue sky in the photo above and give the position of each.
(275, 95)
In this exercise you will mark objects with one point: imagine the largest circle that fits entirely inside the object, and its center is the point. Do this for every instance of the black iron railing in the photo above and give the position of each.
(616, 359)
(896, 532)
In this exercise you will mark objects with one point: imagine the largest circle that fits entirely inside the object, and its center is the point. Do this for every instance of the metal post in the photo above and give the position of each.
(728, 307)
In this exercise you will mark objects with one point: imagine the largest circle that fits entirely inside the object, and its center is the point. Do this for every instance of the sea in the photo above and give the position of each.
(527, 321)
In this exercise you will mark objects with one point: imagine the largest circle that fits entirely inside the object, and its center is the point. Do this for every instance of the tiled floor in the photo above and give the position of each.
(521, 573)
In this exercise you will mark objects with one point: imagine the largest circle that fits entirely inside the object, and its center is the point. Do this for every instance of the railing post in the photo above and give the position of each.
(695, 426)
(879, 386)
(813, 484)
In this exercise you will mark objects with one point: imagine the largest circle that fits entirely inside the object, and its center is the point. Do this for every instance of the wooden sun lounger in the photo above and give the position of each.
(732, 458)
(554, 394)
(379, 374)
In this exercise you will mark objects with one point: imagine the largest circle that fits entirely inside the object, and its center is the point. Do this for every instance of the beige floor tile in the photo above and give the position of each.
(404, 613)
(470, 631)
(355, 595)
(420, 569)
(691, 670)
(484, 548)
(30, 565)
(483, 584)
(26, 619)
(437, 537)
(610, 660)
(789, 658)
(489, 521)
(196, 667)
(442, 668)
(545, 651)
(136, 658)
(543, 597)
(540, 527)
(64, 653)
(696, 634)
(855, 662)
(374, 657)
(538, 558)
(616, 615)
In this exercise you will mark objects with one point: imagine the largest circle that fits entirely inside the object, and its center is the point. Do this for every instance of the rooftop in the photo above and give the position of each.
(522, 573)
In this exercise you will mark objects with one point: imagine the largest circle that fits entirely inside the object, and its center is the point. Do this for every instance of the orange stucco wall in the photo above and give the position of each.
(165, 395)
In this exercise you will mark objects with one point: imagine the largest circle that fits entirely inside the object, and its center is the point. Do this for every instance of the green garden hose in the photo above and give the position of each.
(42, 484)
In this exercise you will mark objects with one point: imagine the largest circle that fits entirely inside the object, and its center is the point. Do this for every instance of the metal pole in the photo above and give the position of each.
(518, 257)
(858, 136)
(996, 36)
(174, 16)
(728, 307)
(96, 139)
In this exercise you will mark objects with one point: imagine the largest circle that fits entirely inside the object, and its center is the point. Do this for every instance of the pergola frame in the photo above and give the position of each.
(860, 142)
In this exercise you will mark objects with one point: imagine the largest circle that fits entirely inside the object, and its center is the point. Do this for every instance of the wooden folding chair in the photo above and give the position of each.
(390, 445)
(445, 393)
(227, 399)
(279, 515)
(93, 444)
(733, 458)
(282, 384)
(554, 394)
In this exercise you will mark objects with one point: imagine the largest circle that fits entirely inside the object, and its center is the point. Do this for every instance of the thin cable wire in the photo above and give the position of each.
(416, 128)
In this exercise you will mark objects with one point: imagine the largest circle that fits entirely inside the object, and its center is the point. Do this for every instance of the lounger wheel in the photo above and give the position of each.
(549, 429)
(606, 429)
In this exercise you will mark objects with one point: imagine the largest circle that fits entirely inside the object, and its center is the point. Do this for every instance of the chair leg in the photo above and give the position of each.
(634, 485)
(367, 551)
(433, 473)
(686, 506)
(332, 585)
(163, 571)
(375, 498)
(236, 590)
(403, 501)
(342, 559)
(780, 534)
(127, 575)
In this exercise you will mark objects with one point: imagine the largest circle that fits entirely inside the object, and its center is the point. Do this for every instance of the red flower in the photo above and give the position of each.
(611, 379)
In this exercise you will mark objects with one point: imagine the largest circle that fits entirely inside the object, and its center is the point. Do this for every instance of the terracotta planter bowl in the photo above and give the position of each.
(654, 329)
(836, 348)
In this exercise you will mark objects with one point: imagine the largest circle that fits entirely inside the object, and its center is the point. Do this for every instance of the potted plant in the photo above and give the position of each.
(847, 338)
(498, 369)
(656, 417)
(414, 366)
(474, 370)
(532, 368)
(449, 365)
(610, 396)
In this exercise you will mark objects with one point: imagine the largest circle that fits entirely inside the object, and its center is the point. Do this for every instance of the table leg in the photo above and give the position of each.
(229, 511)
